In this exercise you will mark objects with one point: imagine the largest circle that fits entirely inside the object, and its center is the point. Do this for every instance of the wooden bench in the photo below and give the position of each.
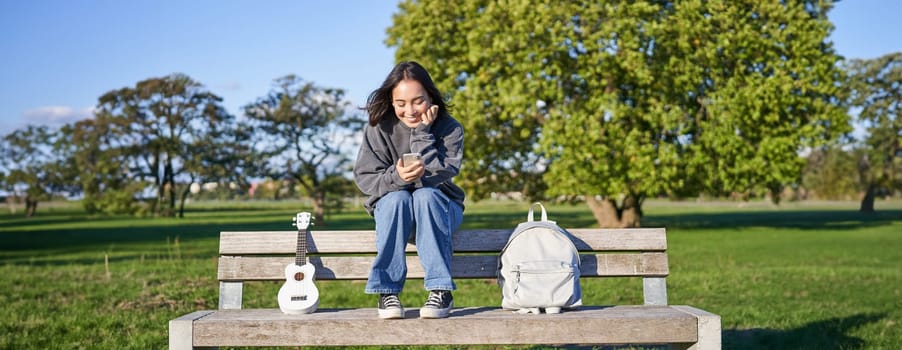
(346, 255)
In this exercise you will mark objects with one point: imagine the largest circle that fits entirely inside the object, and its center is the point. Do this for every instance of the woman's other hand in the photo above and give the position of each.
(430, 114)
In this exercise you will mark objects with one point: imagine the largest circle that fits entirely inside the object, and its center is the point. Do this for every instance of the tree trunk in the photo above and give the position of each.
(31, 207)
(184, 198)
(631, 213)
(609, 215)
(170, 176)
(867, 202)
(864, 173)
(157, 205)
(776, 192)
(319, 203)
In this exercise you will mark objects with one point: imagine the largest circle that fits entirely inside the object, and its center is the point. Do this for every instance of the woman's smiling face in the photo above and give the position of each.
(410, 101)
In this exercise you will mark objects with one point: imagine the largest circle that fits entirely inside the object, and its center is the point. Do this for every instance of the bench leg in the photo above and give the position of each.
(181, 331)
(230, 295)
(709, 330)
(654, 289)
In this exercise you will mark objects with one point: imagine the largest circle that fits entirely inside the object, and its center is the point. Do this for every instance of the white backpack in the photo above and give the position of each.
(539, 268)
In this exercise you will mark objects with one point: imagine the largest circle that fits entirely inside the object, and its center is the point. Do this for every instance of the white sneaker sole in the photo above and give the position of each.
(393, 313)
(429, 312)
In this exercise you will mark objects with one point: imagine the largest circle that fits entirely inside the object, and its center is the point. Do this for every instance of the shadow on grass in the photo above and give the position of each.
(100, 237)
(25, 241)
(24, 237)
(20, 222)
(827, 334)
(798, 219)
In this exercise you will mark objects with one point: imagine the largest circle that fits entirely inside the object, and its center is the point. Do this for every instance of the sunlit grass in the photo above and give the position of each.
(814, 275)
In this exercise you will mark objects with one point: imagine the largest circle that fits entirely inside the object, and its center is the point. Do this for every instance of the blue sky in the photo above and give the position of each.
(58, 57)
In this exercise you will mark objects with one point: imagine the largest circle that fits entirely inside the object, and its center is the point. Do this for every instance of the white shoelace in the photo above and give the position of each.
(390, 301)
(434, 300)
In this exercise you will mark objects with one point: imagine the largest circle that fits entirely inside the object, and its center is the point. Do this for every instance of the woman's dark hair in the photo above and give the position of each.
(379, 103)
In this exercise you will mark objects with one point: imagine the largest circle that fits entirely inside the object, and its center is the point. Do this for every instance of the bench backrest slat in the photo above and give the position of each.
(363, 242)
(348, 255)
(263, 255)
(463, 266)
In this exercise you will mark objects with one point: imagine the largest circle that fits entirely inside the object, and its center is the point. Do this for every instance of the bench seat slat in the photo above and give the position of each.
(478, 325)
(325, 242)
(463, 266)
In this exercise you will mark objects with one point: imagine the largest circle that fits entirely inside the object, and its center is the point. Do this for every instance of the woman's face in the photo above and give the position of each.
(410, 101)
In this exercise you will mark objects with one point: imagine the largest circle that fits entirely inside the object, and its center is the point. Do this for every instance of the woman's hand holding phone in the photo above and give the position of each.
(410, 167)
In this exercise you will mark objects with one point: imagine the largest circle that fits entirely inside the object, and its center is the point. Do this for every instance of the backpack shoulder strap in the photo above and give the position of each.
(531, 215)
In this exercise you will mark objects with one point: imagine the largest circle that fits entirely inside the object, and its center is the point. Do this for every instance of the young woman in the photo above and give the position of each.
(408, 197)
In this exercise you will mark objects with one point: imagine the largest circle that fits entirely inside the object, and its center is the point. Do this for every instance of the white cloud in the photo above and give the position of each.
(232, 86)
(57, 115)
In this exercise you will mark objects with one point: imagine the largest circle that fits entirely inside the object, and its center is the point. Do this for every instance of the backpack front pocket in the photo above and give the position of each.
(543, 284)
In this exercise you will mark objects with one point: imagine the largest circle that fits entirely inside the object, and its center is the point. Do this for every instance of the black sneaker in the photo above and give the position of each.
(390, 306)
(438, 305)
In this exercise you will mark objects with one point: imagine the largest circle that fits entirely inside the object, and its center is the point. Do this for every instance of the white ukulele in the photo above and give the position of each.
(298, 295)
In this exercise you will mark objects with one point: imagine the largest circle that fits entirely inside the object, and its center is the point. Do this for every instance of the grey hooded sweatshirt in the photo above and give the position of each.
(440, 145)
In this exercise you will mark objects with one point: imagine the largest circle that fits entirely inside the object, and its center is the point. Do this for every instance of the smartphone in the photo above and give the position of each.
(410, 158)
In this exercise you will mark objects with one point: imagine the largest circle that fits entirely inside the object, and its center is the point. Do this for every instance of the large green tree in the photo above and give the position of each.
(164, 124)
(306, 132)
(876, 90)
(616, 101)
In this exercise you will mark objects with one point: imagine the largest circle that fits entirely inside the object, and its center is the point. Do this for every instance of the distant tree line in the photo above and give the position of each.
(608, 103)
(146, 145)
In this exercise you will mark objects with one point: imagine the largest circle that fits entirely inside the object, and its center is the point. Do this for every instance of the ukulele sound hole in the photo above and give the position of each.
(298, 276)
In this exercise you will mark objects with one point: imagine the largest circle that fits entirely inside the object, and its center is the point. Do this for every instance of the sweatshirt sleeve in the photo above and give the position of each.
(374, 171)
(441, 147)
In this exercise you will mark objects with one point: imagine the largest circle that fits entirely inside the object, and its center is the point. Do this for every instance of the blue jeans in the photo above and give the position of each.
(434, 217)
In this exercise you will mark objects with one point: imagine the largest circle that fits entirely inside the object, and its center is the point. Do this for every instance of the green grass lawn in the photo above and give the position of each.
(810, 275)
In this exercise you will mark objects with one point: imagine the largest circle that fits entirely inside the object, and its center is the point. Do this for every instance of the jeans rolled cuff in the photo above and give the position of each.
(441, 287)
(382, 291)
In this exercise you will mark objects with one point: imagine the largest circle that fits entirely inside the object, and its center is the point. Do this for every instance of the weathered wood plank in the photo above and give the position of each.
(709, 328)
(181, 330)
(285, 242)
(484, 325)
(463, 266)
